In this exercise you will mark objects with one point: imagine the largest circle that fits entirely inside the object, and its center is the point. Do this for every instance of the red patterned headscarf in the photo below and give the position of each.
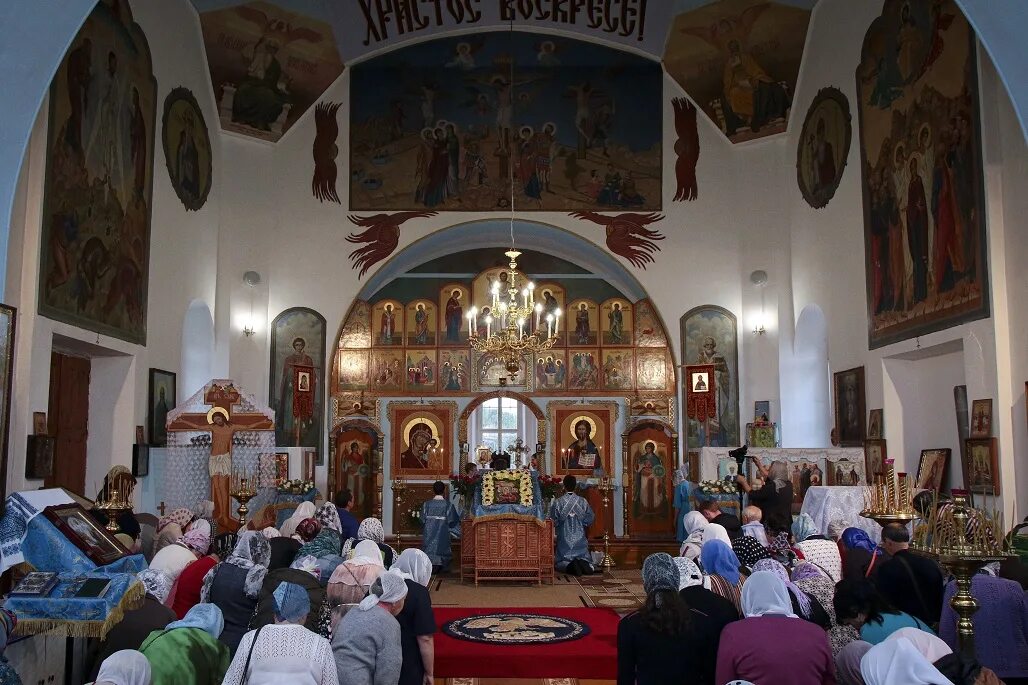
(308, 529)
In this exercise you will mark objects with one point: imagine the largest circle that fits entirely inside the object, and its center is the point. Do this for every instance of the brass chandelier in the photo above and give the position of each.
(516, 328)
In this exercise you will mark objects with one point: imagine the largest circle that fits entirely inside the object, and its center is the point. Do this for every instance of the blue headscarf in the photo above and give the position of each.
(803, 527)
(206, 617)
(291, 602)
(855, 538)
(718, 558)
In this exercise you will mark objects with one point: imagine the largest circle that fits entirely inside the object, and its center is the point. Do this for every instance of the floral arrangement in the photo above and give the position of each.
(717, 487)
(414, 519)
(464, 485)
(521, 480)
(551, 486)
(297, 485)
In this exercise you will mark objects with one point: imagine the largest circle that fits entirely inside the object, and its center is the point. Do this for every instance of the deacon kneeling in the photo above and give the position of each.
(440, 520)
(571, 515)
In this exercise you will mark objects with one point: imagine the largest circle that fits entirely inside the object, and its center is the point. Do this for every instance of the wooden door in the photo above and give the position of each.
(68, 421)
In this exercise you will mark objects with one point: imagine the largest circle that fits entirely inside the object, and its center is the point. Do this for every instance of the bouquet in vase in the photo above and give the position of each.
(552, 486)
(717, 487)
(464, 485)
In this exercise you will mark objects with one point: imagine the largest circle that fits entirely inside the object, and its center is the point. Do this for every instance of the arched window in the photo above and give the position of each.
(498, 422)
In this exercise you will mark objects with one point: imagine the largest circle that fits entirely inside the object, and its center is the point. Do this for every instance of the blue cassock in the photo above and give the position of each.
(440, 520)
(571, 515)
(682, 507)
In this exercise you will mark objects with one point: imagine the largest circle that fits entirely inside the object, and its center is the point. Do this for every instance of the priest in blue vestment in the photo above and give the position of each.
(571, 515)
(440, 520)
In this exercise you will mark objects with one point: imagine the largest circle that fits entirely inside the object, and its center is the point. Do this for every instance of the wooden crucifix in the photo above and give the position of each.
(222, 423)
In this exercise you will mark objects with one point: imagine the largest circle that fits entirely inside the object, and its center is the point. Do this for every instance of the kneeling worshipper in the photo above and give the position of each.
(897, 662)
(352, 580)
(136, 624)
(721, 571)
(813, 581)
(371, 529)
(959, 669)
(749, 550)
(303, 572)
(803, 605)
(859, 604)
(910, 582)
(127, 667)
(304, 510)
(188, 652)
(417, 622)
(666, 642)
(860, 555)
(752, 525)
(847, 663)
(234, 584)
(694, 523)
(771, 644)
(571, 516)
(284, 651)
(366, 642)
(174, 558)
(185, 593)
(171, 527)
(682, 502)
(699, 598)
(440, 523)
(284, 549)
(816, 548)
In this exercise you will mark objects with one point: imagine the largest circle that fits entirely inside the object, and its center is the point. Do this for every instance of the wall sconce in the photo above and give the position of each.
(759, 280)
(252, 279)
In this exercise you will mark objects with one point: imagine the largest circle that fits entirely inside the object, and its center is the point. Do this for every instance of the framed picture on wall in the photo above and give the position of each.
(981, 467)
(160, 401)
(849, 406)
(874, 460)
(875, 425)
(981, 419)
(931, 469)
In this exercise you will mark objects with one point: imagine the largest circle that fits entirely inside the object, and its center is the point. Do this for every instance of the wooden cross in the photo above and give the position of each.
(160, 507)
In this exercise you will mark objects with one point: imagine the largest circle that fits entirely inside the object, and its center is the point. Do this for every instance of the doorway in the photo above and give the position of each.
(68, 421)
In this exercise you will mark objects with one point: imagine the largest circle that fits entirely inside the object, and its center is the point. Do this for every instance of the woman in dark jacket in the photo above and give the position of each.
(775, 497)
(234, 584)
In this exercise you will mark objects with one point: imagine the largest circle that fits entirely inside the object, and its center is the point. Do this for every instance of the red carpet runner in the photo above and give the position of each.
(592, 657)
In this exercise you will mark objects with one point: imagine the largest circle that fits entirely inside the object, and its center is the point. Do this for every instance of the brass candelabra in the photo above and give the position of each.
(244, 489)
(889, 499)
(962, 539)
(113, 507)
(606, 486)
(399, 488)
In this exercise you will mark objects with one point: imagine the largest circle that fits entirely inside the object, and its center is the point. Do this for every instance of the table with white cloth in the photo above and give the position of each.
(711, 456)
(825, 504)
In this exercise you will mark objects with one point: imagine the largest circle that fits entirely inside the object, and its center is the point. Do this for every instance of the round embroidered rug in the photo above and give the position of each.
(515, 629)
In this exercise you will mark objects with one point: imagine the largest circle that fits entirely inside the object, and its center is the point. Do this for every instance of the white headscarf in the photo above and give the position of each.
(201, 525)
(897, 662)
(414, 564)
(306, 510)
(388, 587)
(765, 593)
(688, 573)
(270, 532)
(366, 552)
(694, 521)
(931, 647)
(125, 667)
(715, 531)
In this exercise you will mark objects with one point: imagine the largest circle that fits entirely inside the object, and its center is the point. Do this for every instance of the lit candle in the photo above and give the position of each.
(556, 321)
(471, 322)
(531, 292)
(524, 297)
(488, 326)
(521, 328)
(549, 325)
(538, 314)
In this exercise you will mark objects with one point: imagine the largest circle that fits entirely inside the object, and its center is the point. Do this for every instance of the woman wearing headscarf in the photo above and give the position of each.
(897, 662)
(775, 496)
(127, 667)
(859, 604)
(371, 529)
(754, 649)
(860, 554)
(284, 549)
(694, 523)
(8, 620)
(352, 580)
(712, 608)
(417, 622)
(366, 642)
(847, 663)
(186, 591)
(325, 542)
(234, 584)
(304, 510)
(284, 651)
(817, 549)
(802, 604)
(188, 652)
(749, 550)
(715, 531)
(721, 571)
(174, 558)
(304, 572)
(171, 527)
(821, 590)
(664, 642)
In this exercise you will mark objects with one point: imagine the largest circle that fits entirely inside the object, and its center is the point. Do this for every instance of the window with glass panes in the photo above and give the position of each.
(499, 423)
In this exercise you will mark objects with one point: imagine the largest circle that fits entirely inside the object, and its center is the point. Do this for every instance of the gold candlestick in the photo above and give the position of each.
(243, 489)
(606, 486)
(399, 488)
(113, 506)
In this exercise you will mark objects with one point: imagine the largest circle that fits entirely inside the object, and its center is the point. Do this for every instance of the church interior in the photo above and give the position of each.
(492, 342)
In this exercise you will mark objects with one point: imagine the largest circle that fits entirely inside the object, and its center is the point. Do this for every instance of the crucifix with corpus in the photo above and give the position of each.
(222, 423)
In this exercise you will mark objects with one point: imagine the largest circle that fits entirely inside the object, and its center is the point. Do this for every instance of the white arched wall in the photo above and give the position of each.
(806, 390)
(197, 349)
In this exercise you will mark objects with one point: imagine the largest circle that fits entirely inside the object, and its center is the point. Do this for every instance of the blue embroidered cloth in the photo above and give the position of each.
(536, 509)
(60, 605)
(48, 550)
